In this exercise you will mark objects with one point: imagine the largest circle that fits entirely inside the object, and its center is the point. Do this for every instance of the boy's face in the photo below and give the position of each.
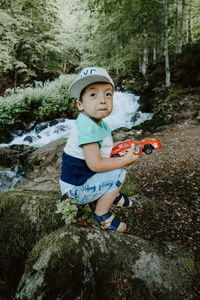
(97, 101)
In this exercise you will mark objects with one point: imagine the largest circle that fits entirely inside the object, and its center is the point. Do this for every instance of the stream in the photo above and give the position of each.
(125, 113)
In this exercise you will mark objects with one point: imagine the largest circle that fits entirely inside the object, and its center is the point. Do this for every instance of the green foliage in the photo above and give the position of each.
(41, 103)
(26, 38)
(64, 34)
(166, 105)
(32, 37)
(115, 31)
(119, 29)
(87, 213)
(69, 209)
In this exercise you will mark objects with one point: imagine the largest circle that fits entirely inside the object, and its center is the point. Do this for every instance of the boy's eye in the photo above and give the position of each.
(108, 94)
(93, 94)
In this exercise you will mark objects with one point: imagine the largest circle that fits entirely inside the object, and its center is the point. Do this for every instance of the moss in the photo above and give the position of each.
(25, 217)
(57, 264)
(187, 269)
(30, 165)
(130, 185)
(63, 267)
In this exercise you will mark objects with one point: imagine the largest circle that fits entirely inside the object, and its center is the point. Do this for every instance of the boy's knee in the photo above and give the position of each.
(120, 176)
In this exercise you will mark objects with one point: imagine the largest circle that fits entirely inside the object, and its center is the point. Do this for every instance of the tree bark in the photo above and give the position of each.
(64, 67)
(181, 26)
(189, 23)
(145, 54)
(176, 29)
(167, 68)
(15, 79)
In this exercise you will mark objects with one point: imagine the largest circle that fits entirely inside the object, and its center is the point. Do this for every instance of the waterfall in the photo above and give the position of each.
(125, 114)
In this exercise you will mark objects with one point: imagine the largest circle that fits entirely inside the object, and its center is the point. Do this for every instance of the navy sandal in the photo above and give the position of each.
(113, 225)
(127, 202)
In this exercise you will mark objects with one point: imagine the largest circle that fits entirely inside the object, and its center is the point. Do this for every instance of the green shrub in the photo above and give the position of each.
(69, 210)
(166, 105)
(41, 103)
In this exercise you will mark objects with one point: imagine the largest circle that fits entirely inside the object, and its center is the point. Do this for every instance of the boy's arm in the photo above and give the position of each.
(97, 163)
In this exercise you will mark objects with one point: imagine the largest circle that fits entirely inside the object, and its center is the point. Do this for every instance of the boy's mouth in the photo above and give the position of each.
(102, 109)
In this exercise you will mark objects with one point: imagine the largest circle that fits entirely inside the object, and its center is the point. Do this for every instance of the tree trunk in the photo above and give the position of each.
(15, 79)
(140, 62)
(181, 26)
(176, 29)
(64, 67)
(167, 69)
(154, 53)
(145, 54)
(155, 49)
(189, 23)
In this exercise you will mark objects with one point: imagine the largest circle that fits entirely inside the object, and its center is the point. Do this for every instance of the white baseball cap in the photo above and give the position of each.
(88, 76)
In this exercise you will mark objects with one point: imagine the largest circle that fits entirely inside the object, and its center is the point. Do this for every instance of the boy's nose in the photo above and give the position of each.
(102, 99)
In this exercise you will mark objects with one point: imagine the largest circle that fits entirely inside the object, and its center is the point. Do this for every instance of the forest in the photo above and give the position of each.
(150, 47)
(44, 37)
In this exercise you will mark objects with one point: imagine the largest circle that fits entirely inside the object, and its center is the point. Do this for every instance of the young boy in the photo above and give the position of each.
(88, 172)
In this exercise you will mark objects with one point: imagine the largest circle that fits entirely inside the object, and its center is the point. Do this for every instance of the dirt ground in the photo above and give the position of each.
(172, 172)
(171, 175)
(170, 179)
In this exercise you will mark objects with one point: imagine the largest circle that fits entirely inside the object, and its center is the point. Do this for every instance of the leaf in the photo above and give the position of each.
(68, 208)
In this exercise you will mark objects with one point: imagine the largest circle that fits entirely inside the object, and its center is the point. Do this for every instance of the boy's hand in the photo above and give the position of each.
(131, 157)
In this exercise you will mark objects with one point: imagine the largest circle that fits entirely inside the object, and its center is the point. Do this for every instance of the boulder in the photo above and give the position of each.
(14, 155)
(43, 167)
(25, 217)
(122, 134)
(77, 262)
(48, 154)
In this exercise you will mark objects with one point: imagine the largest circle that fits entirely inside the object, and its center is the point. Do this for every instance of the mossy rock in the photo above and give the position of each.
(25, 217)
(74, 262)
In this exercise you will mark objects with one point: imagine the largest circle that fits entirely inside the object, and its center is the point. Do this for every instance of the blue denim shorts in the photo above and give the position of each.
(96, 186)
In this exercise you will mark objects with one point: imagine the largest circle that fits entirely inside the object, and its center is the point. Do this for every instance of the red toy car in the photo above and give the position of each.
(146, 146)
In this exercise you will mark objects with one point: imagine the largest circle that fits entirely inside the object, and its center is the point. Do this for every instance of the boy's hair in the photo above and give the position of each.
(86, 77)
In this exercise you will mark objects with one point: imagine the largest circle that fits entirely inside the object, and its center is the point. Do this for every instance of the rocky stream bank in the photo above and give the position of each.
(157, 258)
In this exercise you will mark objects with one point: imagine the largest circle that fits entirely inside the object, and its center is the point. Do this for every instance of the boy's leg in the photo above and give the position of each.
(103, 187)
(97, 186)
(103, 206)
(105, 202)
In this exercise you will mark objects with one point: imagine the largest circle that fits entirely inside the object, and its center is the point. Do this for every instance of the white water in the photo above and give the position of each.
(125, 107)
(9, 179)
(125, 114)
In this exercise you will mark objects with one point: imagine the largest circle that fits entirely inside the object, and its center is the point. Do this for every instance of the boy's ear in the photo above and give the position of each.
(79, 105)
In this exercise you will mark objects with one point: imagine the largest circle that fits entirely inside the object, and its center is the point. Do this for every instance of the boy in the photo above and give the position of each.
(88, 172)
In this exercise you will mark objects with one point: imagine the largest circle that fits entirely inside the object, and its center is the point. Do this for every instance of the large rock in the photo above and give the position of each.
(14, 155)
(25, 217)
(48, 154)
(43, 167)
(87, 263)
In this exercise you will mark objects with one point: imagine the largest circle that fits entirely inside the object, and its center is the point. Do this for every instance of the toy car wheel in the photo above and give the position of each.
(116, 155)
(147, 149)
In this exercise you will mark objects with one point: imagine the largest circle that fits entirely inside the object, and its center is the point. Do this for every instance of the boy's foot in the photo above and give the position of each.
(109, 222)
(122, 201)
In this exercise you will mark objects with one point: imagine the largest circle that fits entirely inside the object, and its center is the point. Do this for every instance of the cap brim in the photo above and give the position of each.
(76, 87)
